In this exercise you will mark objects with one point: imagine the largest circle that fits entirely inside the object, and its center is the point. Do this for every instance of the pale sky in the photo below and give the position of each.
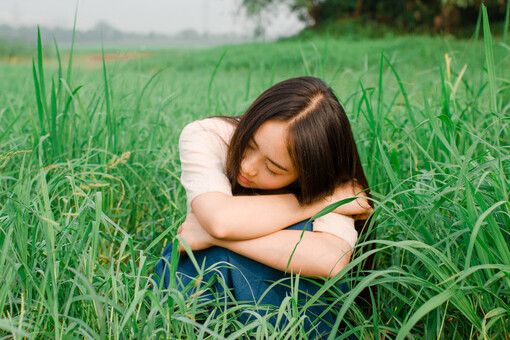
(144, 16)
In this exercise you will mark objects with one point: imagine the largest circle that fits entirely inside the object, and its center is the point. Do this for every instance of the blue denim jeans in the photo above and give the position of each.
(249, 281)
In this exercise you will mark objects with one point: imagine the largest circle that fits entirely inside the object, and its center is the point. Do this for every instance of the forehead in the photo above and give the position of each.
(271, 139)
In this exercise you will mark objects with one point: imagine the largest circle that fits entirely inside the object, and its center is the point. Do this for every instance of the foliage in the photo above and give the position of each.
(83, 222)
(409, 15)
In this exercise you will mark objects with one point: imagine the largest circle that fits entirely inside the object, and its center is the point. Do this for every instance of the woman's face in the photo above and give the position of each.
(266, 163)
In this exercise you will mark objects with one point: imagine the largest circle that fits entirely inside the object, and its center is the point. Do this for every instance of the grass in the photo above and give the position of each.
(90, 192)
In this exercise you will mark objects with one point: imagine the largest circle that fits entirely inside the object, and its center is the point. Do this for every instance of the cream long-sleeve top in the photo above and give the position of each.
(203, 152)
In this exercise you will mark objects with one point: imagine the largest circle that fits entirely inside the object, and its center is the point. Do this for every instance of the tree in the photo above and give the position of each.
(429, 15)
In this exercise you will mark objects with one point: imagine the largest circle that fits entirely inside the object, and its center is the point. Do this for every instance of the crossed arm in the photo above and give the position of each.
(252, 226)
(244, 217)
(318, 253)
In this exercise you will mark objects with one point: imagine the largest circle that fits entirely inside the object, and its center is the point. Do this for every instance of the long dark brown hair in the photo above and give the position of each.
(320, 141)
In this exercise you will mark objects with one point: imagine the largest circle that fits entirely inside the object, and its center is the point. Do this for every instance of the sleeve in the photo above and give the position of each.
(338, 225)
(202, 153)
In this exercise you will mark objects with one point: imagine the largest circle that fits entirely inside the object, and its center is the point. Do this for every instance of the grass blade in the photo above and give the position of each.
(403, 91)
(70, 64)
(475, 231)
(38, 96)
(489, 59)
(54, 137)
(507, 21)
(111, 124)
(211, 80)
(426, 308)
(41, 70)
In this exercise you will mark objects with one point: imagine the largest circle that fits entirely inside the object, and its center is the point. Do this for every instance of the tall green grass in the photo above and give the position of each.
(90, 192)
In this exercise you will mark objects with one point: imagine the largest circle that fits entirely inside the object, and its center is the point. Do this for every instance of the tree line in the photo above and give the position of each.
(409, 15)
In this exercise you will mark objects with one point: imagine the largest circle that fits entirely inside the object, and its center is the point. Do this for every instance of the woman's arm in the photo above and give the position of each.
(245, 217)
(317, 254)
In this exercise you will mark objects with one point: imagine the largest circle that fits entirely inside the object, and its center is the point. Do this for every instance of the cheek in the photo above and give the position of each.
(275, 182)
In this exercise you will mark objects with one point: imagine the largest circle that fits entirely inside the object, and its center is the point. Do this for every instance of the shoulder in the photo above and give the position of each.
(205, 139)
(214, 126)
(202, 150)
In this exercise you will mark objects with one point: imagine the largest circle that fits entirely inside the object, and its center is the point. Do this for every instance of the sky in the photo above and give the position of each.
(144, 16)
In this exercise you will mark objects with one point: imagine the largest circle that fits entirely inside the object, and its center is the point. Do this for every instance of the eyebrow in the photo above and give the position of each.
(270, 160)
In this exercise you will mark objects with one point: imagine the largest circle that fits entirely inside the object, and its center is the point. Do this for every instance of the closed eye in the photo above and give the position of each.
(271, 171)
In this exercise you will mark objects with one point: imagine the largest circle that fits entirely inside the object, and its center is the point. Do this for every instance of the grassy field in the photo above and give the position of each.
(90, 192)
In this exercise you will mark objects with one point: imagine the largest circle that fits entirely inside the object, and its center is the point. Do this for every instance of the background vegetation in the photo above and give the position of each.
(432, 16)
(90, 192)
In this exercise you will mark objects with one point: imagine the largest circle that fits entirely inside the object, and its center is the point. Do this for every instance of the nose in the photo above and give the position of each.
(248, 165)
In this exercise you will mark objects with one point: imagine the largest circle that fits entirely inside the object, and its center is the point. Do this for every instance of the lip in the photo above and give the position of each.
(243, 179)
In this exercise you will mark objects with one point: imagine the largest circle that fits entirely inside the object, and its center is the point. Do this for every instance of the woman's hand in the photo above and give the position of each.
(359, 209)
(193, 234)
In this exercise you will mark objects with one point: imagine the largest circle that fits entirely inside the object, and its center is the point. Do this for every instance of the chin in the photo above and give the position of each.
(246, 185)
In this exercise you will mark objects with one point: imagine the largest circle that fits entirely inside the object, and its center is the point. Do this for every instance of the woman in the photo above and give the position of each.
(248, 178)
